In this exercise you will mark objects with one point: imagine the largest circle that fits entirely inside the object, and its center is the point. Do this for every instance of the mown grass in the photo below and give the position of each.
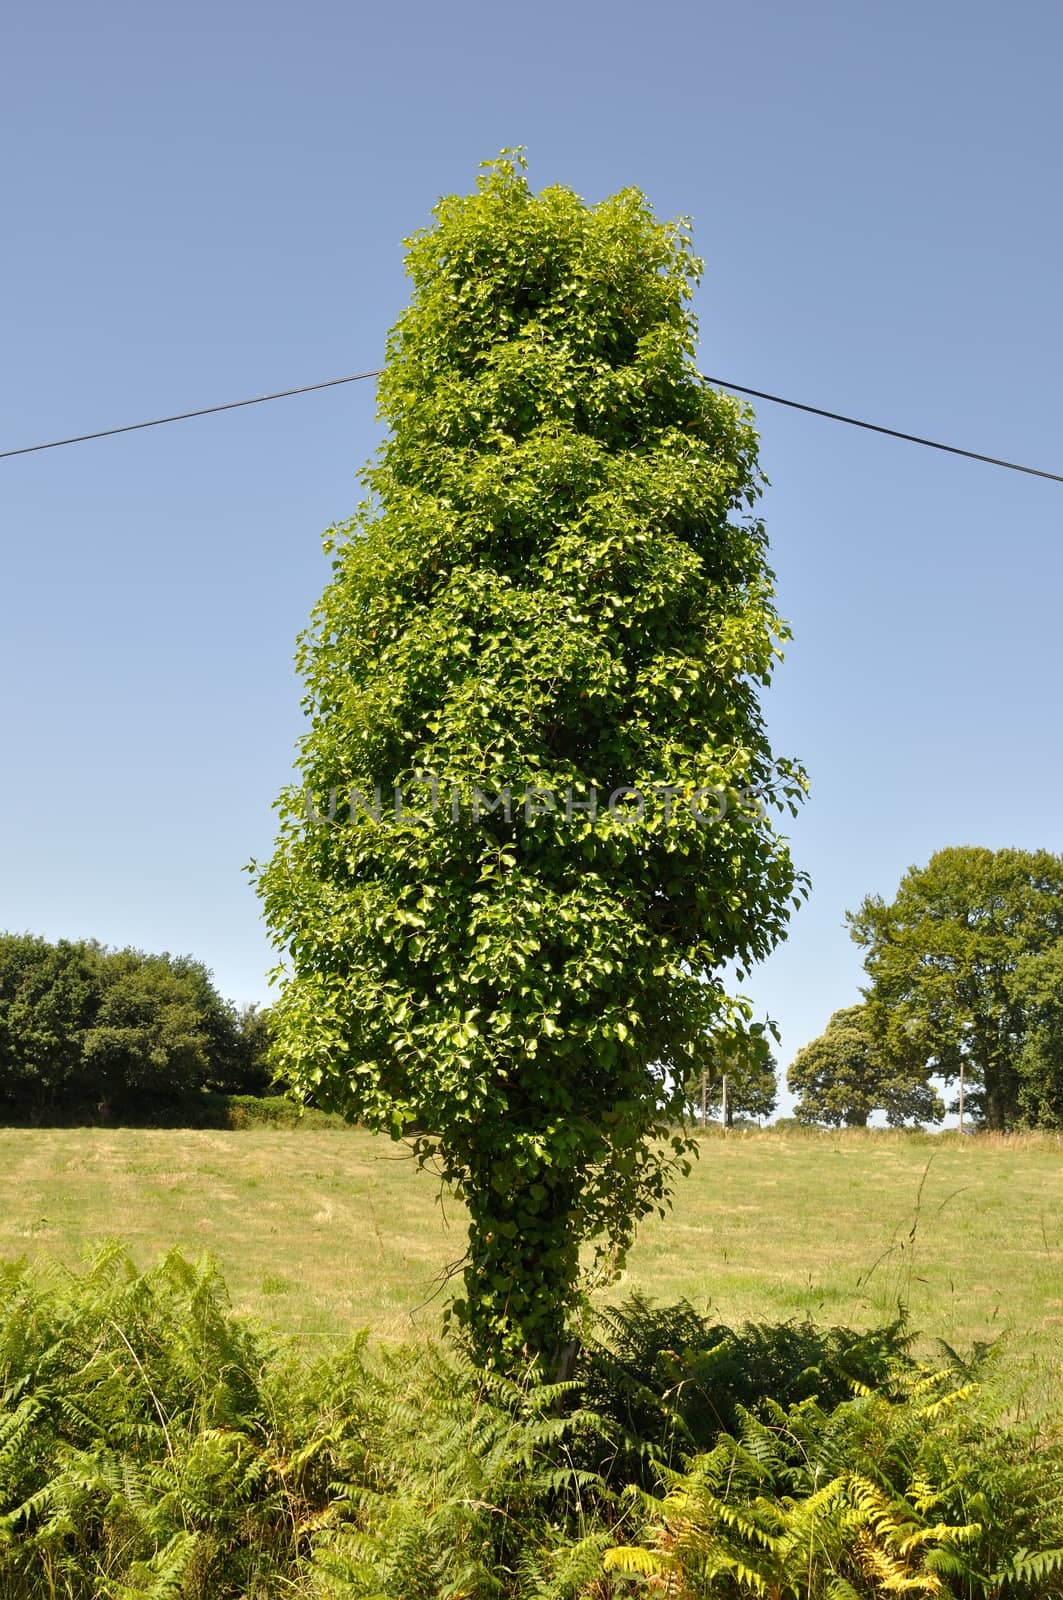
(321, 1230)
(965, 1235)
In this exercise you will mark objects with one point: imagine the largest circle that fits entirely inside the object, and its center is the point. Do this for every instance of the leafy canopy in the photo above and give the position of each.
(81, 1024)
(1039, 978)
(953, 968)
(555, 581)
(742, 1056)
(846, 1074)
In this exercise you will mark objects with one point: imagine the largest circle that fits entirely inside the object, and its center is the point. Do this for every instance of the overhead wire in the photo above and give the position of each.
(893, 433)
(722, 383)
(183, 416)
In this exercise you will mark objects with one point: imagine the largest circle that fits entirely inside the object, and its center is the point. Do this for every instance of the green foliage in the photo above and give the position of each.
(847, 1073)
(151, 1444)
(474, 1490)
(129, 1454)
(949, 966)
(744, 1056)
(556, 582)
(267, 1111)
(154, 1445)
(159, 1027)
(671, 1382)
(82, 1026)
(1039, 978)
(252, 1070)
(48, 996)
(918, 1490)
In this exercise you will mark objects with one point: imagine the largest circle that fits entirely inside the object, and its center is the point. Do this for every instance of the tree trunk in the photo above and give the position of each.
(522, 1273)
(1001, 1091)
(995, 1110)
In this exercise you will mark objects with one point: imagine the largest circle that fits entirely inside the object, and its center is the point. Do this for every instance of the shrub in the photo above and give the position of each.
(152, 1444)
(917, 1491)
(673, 1383)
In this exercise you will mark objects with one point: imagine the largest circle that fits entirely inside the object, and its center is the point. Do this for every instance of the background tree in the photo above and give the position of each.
(253, 1073)
(82, 1025)
(555, 581)
(48, 999)
(745, 1058)
(846, 1074)
(947, 961)
(228, 1049)
(160, 1029)
(1039, 979)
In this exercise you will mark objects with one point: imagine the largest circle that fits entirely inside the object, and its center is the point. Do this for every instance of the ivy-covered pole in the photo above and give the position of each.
(535, 824)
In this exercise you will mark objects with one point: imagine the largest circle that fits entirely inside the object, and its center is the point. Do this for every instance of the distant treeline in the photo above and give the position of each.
(83, 1027)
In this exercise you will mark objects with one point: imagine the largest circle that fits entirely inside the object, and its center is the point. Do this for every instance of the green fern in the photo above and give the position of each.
(154, 1445)
(917, 1493)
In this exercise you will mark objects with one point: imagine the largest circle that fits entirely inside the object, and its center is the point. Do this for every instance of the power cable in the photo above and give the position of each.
(358, 377)
(892, 433)
(183, 416)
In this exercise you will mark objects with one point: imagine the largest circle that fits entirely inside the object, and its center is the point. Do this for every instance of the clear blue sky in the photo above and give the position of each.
(206, 202)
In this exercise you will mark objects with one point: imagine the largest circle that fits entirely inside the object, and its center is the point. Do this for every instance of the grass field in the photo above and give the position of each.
(323, 1230)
